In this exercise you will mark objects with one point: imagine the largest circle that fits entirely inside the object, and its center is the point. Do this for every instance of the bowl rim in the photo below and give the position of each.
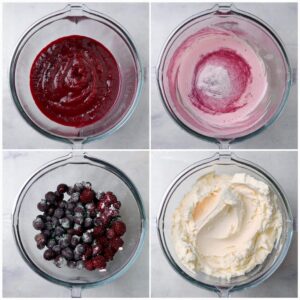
(223, 9)
(95, 15)
(224, 159)
(72, 158)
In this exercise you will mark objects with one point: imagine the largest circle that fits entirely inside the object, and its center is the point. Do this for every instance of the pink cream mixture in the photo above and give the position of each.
(219, 78)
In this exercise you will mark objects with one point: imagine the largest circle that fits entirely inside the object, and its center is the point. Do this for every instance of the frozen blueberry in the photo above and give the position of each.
(47, 233)
(79, 249)
(62, 188)
(77, 256)
(50, 197)
(42, 205)
(78, 220)
(87, 237)
(117, 205)
(59, 231)
(62, 204)
(49, 254)
(48, 226)
(40, 245)
(97, 221)
(75, 240)
(59, 213)
(48, 219)
(70, 206)
(75, 197)
(78, 187)
(65, 223)
(88, 222)
(60, 261)
(38, 224)
(92, 214)
(79, 207)
(65, 241)
(54, 221)
(79, 265)
(71, 264)
(51, 243)
(56, 249)
(67, 253)
(50, 211)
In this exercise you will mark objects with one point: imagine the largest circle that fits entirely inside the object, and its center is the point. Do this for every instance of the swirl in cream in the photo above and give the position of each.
(75, 81)
(226, 225)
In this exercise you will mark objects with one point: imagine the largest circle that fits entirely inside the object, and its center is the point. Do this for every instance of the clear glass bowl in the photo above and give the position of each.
(77, 20)
(223, 164)
(268, 46)
(70, 169)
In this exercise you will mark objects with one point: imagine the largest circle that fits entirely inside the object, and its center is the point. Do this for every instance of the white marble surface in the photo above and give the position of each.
(17, 134)
(165, 167)
(166, 133)
(18, 279)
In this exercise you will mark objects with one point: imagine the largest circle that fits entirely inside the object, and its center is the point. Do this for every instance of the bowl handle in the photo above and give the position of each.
(76, 291)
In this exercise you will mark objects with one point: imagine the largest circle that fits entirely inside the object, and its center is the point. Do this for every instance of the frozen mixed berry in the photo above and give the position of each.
(116, 243)
(42, 205)
(38, 223)
(67, 253)
(87, 237)
(119, 228)
(50, 197)
(60, 261)
(87, 195)
(59, 212)
(99, 262)
(49, 254)
(81, 230)
(88, 264)
(62, 188)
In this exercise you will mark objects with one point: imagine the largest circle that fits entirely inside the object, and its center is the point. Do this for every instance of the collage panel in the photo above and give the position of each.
(220, 216)
(38, 252)
(67, 95)
(224, 72)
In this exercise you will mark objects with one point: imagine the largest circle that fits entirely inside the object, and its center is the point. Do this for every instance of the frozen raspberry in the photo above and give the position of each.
(97, 250)
(103, 241)
(89, 265)
(99, 262)
(98, 230)
(117, 205)
(108, 253)
(116, 243)
(88, 252)
(62, 188)
(101, 206)
(110, 234)
(119, 228)
(87, 196)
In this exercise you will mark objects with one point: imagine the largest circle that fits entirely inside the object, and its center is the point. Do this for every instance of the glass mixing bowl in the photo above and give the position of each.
(267, 46)
(223, 164)
(70, 169)
(77, 20)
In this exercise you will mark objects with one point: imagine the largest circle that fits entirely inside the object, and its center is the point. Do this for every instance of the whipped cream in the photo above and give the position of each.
(226, 225)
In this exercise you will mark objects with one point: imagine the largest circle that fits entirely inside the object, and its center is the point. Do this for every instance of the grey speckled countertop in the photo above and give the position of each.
(17, 17)
(166, 133)
(165, 167)
(18, 279)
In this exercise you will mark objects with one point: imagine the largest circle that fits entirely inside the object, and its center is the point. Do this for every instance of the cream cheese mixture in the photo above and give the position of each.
(226, 225)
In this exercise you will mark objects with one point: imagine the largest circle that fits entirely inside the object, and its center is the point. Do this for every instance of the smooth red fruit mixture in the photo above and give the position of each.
(75, 81)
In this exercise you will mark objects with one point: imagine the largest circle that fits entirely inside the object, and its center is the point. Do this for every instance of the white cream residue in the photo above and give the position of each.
(226, 225)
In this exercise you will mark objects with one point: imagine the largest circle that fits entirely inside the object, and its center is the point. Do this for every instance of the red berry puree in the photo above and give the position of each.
(75, 81)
